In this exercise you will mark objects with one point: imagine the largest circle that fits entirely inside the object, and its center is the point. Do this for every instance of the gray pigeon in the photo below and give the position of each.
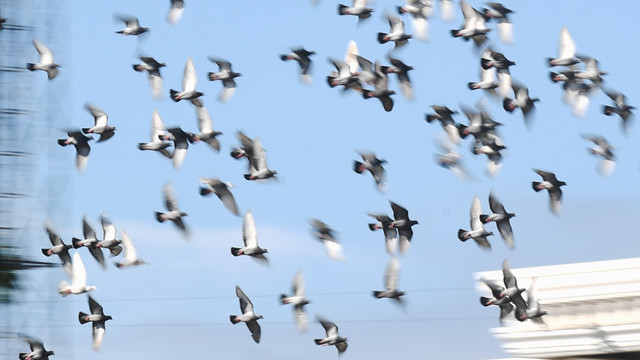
(248, 315)
(97, 319)
(501, 217)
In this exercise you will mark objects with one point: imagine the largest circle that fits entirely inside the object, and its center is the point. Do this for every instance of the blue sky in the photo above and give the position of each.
(179, 304)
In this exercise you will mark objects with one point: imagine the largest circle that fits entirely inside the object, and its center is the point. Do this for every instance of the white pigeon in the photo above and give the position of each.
(189, 82)
(250, 239)
(46, 61)
(78, 279)
(396, 33)
(109, 240)
(158, 133)
(298, 301)
(130, 254)
(248, 315)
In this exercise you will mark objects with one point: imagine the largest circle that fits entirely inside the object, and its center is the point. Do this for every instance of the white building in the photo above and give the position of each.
(593, 312)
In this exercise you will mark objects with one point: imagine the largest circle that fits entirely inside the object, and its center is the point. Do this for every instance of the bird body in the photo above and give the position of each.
(189, 82)
(130, 254)
(78, 279)
(173, 213)
(101, 125)
(396, 34)
(501, 217)
(81, 143)
(58, 248)
(221, 189)
(132, 26)
(391, 276)
(158, 134)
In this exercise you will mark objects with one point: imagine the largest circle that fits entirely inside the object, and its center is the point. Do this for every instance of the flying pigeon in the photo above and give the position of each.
(101, 126)
(403, 224)
(478, 233)
(258, 169)
(78, 279)
(189, 82)
(97, 318)
(90, 242)
(227, 76)
(566, 51)
(443, 114)
(130, 254)
(374, 165)
(302, 57)
(622, 108)
(501, 217)
(402, 71)
(250, 239)
(504, 302)
(552, 185)
(501, 14)
(390, 233)
(325, 234)
(396, 34)
(248, 316)
(521, 100)
(534, 312)
(152, 67)
(59, 248)
(46, 61)
(391, 283)
(513, 291)
(158, 134)
(344, 76)
(358, 8)
(205, 125)
(38, 352)
(81, 143)
(332, 338)
(132, 26)
(381, 90)
(221, 189)
(173, 213)
(181, 140)
(450, 159)
(109, 240)
(175, 11)
(420, 11)
(298, 300)
(602, 149)
(474, 26)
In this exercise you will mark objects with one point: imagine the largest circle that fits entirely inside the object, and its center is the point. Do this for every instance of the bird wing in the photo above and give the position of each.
(98, 330)
(130, 252)
(249, 233)
(99, 117)
(169, 197)
(157, 127)
(259, 156)
(333, 249)
(87, 229)
(301, 317)
(507, 276)
(189, 78)
(225, 195)
(298, 285)
(391, 274)
(566, 46)
(246, 306)
(46, 56)
(108, 228)
(495, 205)
(350, 57)
(495, 288)
(53, 237)
(474, 214)
(254, 327)
(399, 212)
(95, 308)
(205, 124)
(78, 272)
(330, 328)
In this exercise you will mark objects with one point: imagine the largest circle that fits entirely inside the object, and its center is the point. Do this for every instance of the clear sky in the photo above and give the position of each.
(178, 306)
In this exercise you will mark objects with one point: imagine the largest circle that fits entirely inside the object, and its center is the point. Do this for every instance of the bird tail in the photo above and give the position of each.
(247, 176)
(373, 227)
(318, 341)
(86, 130)
(366, 93)
(454, 33)
(607, 110)
(22, 356)
(46, 252)
(549, 60)
(235, 251)
(31, 66)
(485, 301)
(381, 37)
(173, 95)
(204, 191)
(62, 142)
(509, 105)
(137, 67)
(284, 57)
(534, 185)
(358, 167)
(553, 76)
(461, 236)
(461, 130)
(233, 318)
(341, 9)
(76, 243)
(237, 153)
(485, 63)
(282, 297)
(376, 294)
(82, 317)
(431, 117)
(159, 216)
(484, 218)
(115, 250)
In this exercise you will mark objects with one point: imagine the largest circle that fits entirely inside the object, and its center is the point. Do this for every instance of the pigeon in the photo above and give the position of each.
(250, 239)
(189, 82)
(81, 143)
(258, 169)
(344, 76)
(332, 338)
(247, 147)
(366, 75)
(391, 283)
(325, 234)
(591, 70)
(552, 185)
(602, 149)
(78, 279)
(447, 8)
(521, 100)
(38, 352)
(403, 224)
(221, 189)
(298, 300)
(513, 291)
(621, 108)
(566, 51)
(205, 125)
(501, 217)
(402, 71)
(474, 26)
(248, 316)
(452, 160)
(227, 76)
(181, 140)
(175, 11)
(158, 133)
(443, 114)
(109, 240)
(97, 318)
(478, 233)
(132, 26)
(534, 312)
(504, 302)
(173, 213)
(130, 254)
(358, 8)
(381, 90)
(396, 34)
(58, 247)
(152, 67)
(495, 59)
(501, 13)
(101, 126)
(374, 165)
(420, 11)
(90, 242)
(46, 61)
(487, 81)
(302, 57)
(390, 233)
